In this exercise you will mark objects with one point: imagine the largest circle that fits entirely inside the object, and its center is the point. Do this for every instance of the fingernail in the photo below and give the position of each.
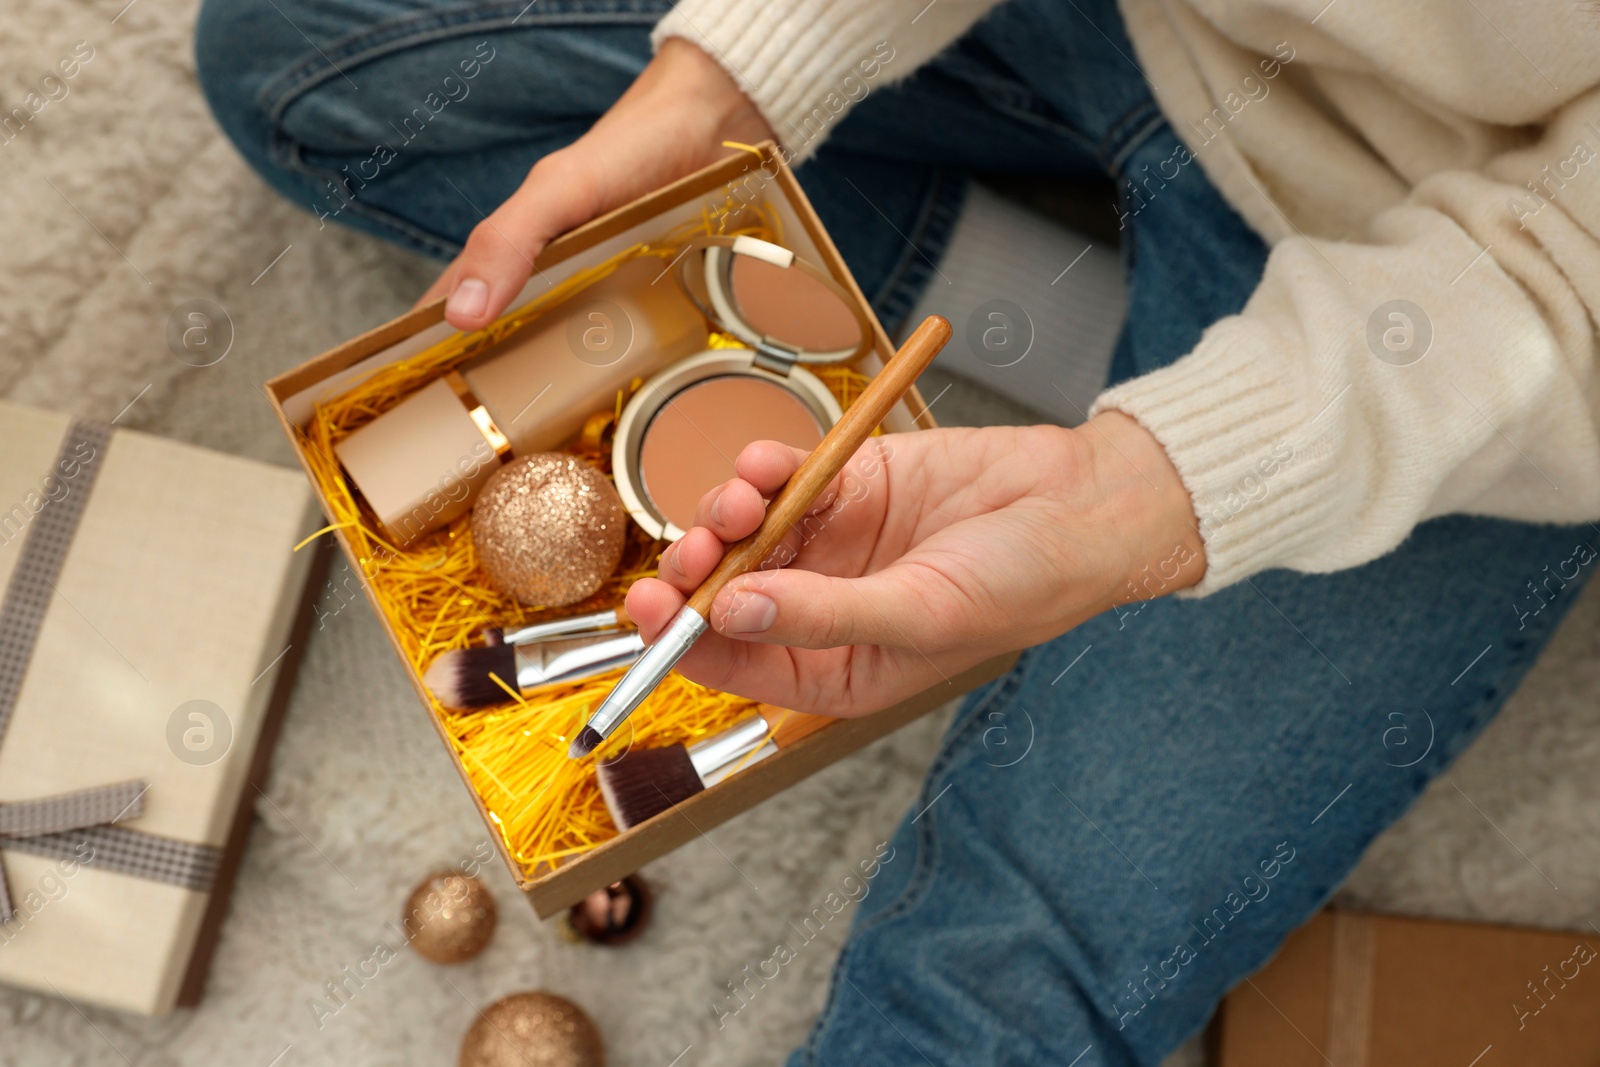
(716, 509)
(469, 299)
(752, 613)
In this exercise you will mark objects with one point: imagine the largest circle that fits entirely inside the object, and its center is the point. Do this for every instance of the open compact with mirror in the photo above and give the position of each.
(647, 350)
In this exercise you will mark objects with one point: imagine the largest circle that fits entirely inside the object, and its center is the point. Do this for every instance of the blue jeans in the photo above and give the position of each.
(1133, 820)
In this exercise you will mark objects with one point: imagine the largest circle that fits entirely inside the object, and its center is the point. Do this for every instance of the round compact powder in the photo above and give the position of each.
(787, 305)
(691, 443)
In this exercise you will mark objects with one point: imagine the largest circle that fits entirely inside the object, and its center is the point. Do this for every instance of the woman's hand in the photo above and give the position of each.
(671, 122)
(932, 552)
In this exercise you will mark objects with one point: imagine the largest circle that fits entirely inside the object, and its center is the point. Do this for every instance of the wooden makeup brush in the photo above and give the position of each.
(791, 505)
(647, 781)
(546, 653)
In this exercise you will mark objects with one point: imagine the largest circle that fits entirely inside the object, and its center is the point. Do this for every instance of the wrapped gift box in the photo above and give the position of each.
(1362, 990)
(153, 614)
(746, 178)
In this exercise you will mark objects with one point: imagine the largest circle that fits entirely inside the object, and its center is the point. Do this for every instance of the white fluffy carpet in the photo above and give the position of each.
(121, 200)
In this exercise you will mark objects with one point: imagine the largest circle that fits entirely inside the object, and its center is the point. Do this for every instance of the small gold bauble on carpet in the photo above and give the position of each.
(548, 528)
(532, 1030)
(450, 917)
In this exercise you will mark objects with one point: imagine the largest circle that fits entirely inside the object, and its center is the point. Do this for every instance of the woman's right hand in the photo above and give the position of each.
(671, 121)
(933, 552)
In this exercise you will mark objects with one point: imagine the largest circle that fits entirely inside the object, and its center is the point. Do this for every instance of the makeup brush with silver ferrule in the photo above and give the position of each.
(610, 619)
(545, 654)
(644, 782)
(791, 505)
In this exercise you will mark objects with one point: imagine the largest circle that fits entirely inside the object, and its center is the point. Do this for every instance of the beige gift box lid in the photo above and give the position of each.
(180, 585)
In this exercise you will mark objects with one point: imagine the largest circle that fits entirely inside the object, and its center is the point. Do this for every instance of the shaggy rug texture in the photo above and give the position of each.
(121, 201)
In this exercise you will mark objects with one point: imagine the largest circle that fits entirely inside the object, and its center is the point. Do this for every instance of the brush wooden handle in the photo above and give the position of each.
(828, 458)
(787, 726)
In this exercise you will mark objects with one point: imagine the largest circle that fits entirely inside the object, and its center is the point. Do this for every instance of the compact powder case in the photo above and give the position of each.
(680, 433)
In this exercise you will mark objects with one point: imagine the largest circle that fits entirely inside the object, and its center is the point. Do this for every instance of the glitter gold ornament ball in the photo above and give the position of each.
(532, 1030)
(548, 528)
(450, 917)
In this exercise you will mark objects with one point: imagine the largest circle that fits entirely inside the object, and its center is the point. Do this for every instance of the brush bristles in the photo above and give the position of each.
(587, 741)
(646, 782)
(460, 679)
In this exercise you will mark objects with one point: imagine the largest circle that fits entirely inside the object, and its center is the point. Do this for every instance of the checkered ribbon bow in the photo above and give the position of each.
(80, 826)
(58, 816)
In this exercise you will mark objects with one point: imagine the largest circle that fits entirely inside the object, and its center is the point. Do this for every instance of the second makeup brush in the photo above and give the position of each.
(647, 781)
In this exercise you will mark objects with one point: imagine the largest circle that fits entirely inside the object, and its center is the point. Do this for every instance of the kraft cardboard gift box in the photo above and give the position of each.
(746, 177)
(153, 616)
(1361, 990)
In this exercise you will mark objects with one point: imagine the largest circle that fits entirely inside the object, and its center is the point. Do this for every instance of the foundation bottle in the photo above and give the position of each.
(420, 464)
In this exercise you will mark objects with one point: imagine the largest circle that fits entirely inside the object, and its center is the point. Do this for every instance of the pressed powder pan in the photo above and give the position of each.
(786, 303)
(690, 445)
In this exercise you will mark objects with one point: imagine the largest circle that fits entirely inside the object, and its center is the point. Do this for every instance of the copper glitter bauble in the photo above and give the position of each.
(532, 1030)
(549, 529)
(450, 917)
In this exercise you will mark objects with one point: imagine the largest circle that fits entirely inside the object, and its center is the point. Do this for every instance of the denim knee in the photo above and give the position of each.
(311, 92)
(255, 63)
(238, 46)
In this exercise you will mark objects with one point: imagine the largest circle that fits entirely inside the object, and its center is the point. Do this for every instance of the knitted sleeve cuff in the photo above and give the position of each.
(805, 63)
(1255, 454)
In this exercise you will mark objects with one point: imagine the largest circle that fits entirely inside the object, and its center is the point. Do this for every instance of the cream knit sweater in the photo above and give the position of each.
(1428, 173)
